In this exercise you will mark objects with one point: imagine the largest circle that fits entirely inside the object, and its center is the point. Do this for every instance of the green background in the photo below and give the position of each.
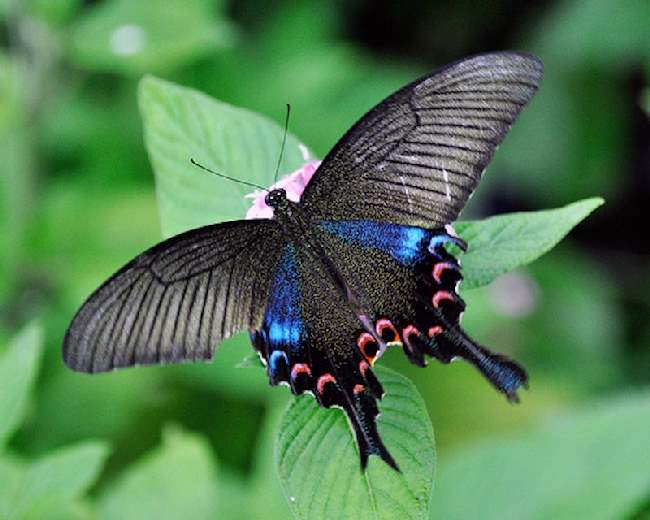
(77, 201)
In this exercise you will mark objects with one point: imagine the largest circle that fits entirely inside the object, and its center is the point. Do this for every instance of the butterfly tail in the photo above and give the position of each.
(361, 409)
(506, 375)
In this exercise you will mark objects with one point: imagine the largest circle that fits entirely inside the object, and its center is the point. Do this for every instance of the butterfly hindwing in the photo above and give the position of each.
(306, 341)
(408, 278)
(404, 280)
(418, 155)
(178, 300)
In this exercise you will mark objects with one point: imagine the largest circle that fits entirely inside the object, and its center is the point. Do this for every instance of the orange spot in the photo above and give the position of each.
(384, 324)
(440, 296)
(323, 380)
(300, 368)
(358, 389)
(434, 331)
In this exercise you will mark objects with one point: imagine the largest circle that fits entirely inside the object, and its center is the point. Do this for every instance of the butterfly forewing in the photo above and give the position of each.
(178, 300)
(418, 156)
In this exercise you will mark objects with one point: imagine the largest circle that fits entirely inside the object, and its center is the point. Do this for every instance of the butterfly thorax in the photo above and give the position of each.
(298, 228)
(293, 221)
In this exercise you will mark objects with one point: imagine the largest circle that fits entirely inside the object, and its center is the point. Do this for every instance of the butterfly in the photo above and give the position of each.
(360, 263)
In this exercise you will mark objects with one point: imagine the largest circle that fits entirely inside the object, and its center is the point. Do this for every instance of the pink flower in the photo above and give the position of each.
(294, 184)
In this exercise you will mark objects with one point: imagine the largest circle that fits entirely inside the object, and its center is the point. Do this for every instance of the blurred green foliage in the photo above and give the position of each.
(77, 201)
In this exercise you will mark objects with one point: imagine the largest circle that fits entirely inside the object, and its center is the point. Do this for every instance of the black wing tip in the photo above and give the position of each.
(77, 365)
(522, 55)
(70, 359)
(74, 355)
(530, 62)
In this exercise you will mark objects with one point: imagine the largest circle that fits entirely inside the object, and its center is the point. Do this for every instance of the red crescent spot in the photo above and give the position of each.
(384, 324)
(358, 389)
(300, 368)
(440, 296)
(323, 380)
(408, 330)
(439, 269)
(363, 366)
(363, 340)
(434, 331)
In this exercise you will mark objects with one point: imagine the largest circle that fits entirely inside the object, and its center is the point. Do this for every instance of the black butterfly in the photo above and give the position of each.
(329, 282)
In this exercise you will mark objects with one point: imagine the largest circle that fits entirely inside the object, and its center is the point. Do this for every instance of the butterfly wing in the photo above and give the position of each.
(419, 154)
(307, 341)
(409, 280)
(178, 300)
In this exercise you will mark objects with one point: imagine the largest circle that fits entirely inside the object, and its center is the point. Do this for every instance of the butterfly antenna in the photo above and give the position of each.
(252, 184)
(284, 141)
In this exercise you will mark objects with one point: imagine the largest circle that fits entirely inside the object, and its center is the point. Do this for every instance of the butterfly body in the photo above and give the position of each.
(328, 283)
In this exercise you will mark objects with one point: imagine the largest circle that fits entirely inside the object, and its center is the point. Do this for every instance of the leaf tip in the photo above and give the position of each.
(595, 202)
(149, 87)
(100, 450)
(29, 342)
(585, 207)
(147, 82)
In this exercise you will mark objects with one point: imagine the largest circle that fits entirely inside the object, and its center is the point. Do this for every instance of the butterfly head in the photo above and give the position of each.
(276, 198)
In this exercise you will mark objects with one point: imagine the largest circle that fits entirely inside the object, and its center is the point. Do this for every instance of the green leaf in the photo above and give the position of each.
(58, 508)
(265, 495)
(59, 477)
(174, 481)
(251, 361)
(499, 244)
(592, 463)
(139, 37)
(18, 369)
(181, 123)
(319, 463)
(12, 473)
